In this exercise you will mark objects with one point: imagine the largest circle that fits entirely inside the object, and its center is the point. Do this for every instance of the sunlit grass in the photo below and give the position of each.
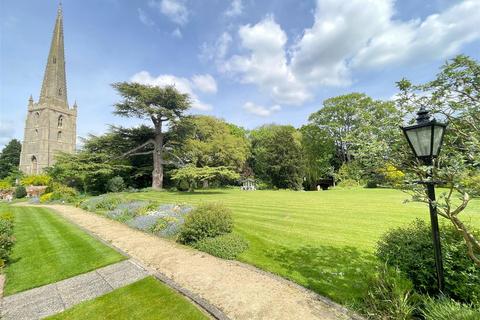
(322, 240)
(145, 299)
(48, 249)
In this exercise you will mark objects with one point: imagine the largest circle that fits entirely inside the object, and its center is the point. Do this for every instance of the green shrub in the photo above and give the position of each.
(389, 296)
(371, 184)
(59, 192)
(261, 185)
(46, 197)
(36, 180)
(7, 215)
(392, 175)
(5, 185)
(410, 249)
(227, 246)
(350, 171)
(206, 221)
(447, 309)
(20, 192)
(472, 184)
(182, 185)
(6, 238)
(101, 203)
(115, 184)
(348, 183)
(63, 193)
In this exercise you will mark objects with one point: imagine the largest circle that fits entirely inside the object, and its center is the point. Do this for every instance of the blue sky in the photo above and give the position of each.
(248, 61)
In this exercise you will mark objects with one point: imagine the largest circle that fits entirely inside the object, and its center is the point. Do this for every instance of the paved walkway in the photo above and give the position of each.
(54, 298)
(239, 291)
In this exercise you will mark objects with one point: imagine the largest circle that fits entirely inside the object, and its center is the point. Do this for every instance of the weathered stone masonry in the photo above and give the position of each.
(51, 125)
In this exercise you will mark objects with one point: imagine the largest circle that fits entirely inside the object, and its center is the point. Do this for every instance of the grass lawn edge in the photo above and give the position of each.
(114, 256)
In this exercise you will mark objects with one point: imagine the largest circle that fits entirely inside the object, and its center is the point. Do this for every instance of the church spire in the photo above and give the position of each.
(54, 86)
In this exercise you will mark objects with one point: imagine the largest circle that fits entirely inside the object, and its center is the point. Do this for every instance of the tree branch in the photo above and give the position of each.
(150, 141)
(140, 153)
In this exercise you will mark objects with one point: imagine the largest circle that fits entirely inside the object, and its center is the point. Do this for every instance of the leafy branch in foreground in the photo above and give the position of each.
(455, 96)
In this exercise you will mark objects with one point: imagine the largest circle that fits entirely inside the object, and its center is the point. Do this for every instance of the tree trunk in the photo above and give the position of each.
(157, 173)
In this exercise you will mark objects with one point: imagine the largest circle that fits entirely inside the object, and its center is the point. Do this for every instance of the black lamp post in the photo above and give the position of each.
(426, 138)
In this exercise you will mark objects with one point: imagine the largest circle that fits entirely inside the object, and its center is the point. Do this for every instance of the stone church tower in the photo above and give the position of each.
(51, 125)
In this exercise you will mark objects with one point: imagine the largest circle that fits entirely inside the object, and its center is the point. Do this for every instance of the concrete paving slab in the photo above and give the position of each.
(33, 305)
(54, 298)
(123, 275)
(82, 288)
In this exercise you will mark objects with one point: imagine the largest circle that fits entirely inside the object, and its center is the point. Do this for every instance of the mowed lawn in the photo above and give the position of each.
(48, 248)
(322, 240)
(145, 299)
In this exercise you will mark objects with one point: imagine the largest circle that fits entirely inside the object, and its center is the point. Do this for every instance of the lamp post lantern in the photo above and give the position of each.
(426, 138)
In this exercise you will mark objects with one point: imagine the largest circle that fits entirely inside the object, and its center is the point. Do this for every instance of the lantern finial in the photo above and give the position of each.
(423, 115)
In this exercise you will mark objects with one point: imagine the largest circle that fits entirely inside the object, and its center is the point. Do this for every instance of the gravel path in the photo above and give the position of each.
(54, 298)
(238, 290)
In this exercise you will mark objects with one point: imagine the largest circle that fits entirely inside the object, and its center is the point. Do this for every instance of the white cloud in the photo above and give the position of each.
(176, 10)
(365, 34)
(205, 83)
(144, 18)
(235, 8)
(345, 37)
(218, 50)
(340, 29)
(266, 66)
(438, 36)
(177, 33)
(183, 85)
(261, 111)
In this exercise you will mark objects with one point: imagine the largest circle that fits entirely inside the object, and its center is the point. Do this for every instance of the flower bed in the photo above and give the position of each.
(161, 220)
(207, 228)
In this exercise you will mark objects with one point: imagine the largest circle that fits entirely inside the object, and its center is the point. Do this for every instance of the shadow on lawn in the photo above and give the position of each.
(338, 273)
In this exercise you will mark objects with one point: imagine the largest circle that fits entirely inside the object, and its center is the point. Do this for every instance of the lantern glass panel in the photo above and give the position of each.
(438, 132)
(420, 138)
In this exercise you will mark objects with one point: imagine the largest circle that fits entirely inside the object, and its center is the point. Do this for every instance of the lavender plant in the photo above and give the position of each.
(171, 218)
(127, 210)
(164, 220)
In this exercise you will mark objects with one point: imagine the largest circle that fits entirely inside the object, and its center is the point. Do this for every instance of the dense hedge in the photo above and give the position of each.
(6, 236)
(410, 249)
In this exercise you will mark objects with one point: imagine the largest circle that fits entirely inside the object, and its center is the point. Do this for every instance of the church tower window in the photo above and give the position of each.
(36, 117)
(34, 167)
(60, 122)
(59, 135)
